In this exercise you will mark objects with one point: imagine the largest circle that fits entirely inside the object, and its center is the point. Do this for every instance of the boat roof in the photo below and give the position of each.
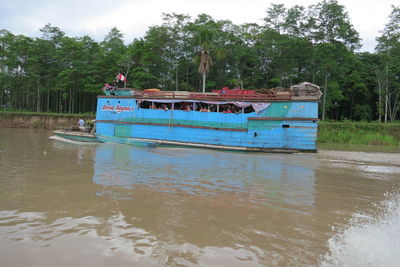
(301, 92)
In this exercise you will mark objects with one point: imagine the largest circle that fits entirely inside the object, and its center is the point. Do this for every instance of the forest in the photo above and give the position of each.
(62, 74)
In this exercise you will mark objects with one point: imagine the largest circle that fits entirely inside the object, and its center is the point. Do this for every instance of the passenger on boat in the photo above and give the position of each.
(81, 124)
(115, 85)
(205, 109)
(228, 110)
(164, 107)
(120, 80)
(107, 87)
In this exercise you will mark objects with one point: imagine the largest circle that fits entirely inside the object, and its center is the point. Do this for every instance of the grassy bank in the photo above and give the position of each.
(359, 133)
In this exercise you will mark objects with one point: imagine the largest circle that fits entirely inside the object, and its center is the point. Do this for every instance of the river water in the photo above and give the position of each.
(71, 204)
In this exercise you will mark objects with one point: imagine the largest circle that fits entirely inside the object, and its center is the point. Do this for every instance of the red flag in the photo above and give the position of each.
(121, 77)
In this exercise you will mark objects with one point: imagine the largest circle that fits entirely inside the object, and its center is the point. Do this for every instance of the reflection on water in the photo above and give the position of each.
(112, 205)
(283, 179)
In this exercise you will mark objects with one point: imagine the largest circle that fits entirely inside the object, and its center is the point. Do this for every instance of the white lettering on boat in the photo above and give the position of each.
(117, 108)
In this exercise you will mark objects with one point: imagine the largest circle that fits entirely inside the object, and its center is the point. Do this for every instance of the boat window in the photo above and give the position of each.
(153, 105)
(195, 106)
(249, 109)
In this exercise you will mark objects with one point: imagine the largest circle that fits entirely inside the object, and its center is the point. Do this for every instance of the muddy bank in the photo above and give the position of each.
(44, 121)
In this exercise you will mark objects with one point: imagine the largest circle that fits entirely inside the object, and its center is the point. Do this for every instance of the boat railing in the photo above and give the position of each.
(266, 95)
(210, 96)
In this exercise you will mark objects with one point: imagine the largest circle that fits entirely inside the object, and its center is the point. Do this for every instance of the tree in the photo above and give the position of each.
(205, 59)
(292, 21)
(177, 45)
(50, 44)
(369, 67)
(328, 22)
(208, 42)
(389, 48)
(112, 52)
(327, 57)
(7, 65)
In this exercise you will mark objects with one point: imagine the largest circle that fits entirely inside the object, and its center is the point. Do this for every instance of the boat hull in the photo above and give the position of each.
(285, 126)
(167, 143)
(128, 141)
(77, 136)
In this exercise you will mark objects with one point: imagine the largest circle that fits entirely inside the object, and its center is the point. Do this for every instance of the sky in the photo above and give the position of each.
(133, 17)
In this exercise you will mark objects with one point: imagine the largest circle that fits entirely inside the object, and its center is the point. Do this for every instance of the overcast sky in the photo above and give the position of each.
(133, 17)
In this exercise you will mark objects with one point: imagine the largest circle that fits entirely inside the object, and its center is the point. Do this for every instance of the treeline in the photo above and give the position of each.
(58, 73)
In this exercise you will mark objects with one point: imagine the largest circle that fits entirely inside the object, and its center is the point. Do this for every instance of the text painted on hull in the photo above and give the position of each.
(117, 108)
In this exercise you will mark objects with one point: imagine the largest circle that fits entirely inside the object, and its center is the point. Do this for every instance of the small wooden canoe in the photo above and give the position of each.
(79, 136)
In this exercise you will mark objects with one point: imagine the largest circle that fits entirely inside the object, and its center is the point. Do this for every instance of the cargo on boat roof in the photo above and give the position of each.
(302, 91)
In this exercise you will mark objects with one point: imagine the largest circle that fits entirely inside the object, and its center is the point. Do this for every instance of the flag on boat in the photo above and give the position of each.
(121, 77)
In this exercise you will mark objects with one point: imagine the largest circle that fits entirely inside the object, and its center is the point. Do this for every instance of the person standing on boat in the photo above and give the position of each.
(81, 124)
(121, 80)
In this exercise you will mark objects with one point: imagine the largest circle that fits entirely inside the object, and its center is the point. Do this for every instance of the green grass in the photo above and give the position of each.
(359, 133)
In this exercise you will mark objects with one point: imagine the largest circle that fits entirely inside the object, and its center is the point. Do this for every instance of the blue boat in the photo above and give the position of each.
(274, 120)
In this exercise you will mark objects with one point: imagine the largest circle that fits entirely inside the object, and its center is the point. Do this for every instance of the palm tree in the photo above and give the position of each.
(205, 63)
(204, 39)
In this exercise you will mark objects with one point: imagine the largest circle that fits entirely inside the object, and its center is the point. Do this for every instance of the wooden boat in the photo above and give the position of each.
(77, 135)
(272, 120)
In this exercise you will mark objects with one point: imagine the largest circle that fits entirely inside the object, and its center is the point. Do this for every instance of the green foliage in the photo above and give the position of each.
(62, 74)
(361, 112)
(389, 51)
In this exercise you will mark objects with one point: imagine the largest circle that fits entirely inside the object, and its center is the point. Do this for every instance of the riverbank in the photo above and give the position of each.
(40, 120)
(359, 133)
(386, 136)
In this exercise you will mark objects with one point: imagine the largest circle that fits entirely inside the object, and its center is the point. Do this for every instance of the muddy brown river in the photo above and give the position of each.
(74, 204)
